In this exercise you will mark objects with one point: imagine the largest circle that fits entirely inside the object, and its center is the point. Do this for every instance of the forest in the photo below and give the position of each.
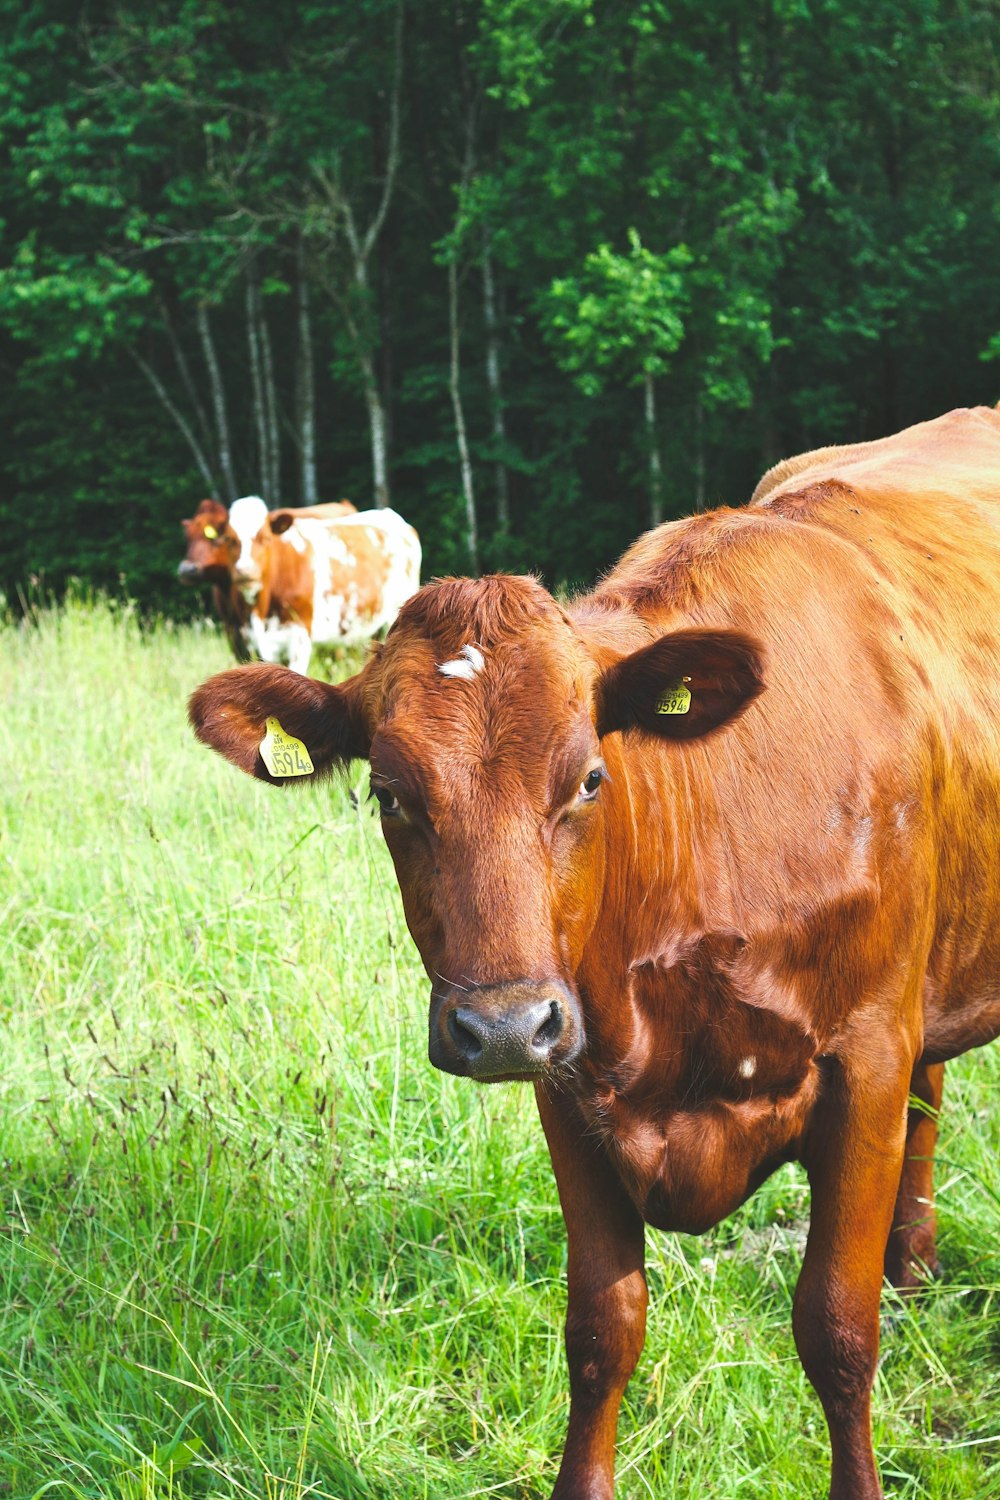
(537, 273)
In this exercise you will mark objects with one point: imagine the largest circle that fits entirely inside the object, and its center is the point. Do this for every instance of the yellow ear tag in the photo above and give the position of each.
(283, 754)
(211, 533)
(677, 698)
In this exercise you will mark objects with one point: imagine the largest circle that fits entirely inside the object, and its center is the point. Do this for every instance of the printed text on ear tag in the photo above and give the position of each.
(676, 699)
(283, 754)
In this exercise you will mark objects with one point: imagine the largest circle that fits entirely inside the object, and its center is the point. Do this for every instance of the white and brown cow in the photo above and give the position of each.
(313, 581)
(216, 539)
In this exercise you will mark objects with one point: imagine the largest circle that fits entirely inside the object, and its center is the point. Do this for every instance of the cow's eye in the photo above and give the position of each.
(590, 785)
(388, 803)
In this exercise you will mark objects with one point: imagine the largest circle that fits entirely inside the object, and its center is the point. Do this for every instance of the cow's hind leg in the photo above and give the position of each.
(911, 1252)
(853, 1155)
(606, 1312)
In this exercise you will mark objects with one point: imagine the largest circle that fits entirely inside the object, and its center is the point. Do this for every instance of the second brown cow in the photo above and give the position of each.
(711, 859)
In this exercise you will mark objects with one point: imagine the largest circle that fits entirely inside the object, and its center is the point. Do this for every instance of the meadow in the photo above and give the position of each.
(253, 1245)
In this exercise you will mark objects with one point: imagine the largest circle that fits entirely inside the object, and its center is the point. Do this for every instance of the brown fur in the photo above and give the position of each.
(210, 561)
(288, 575)
(773, 929)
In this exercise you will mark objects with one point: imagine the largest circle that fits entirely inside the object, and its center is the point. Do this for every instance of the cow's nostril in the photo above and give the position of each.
(550, 1030)
(466, 1040)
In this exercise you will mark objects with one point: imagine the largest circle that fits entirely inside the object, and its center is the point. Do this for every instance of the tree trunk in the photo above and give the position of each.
(197, 452)
(273, 475)
(218, 405)
(361, 244)
(385, 351)
(465, 462)
(185, 373)
(376, 431)
(306, 390)
(770, 443)
(493, 382)
(699, 456)
(257, 378)
(655, 468)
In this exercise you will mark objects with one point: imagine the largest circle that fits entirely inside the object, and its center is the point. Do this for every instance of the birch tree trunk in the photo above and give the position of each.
(180, 358)
(385, 364)
(655, 468)
(377, 432)
(273, 476)
(197, 452)
(699, 456)
(494, 385)
(257, 378)
(305, 390)
(454, 385)
(361, 245)
(218, 404)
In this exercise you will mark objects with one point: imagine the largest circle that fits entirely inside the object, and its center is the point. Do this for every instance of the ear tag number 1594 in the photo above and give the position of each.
(283, 754)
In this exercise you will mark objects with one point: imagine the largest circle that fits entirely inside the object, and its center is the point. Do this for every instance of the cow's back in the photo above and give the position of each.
(921, 510)
(366, 566)
(856, 803)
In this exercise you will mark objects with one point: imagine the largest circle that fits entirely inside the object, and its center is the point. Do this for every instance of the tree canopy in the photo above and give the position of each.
(534, 272)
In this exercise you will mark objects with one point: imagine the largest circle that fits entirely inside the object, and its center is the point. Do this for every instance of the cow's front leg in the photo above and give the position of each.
(606, 1311)
(299, 648)
(853, 1156)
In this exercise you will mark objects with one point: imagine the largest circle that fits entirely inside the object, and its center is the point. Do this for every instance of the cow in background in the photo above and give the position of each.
(213, 547)
(217, 538)
(311, 581)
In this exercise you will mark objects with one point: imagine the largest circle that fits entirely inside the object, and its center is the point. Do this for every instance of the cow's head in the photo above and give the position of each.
(258, 528)
(485, 718)
(248, 517)
(212, 546)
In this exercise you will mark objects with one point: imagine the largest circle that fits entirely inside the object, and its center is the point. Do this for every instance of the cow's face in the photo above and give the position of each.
(482, 718)
(250, 523)
(212, 546)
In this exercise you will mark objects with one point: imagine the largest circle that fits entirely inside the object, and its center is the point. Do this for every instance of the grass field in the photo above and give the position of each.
(253, 1245)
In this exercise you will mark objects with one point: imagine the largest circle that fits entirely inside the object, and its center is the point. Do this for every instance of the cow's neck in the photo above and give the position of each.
(693, 1072)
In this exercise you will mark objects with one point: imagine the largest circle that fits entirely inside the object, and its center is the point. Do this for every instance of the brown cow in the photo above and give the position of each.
(718, 927)
(212, 550)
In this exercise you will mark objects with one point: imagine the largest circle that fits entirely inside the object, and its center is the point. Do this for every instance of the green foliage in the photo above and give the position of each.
(829, 169)
(622, 315)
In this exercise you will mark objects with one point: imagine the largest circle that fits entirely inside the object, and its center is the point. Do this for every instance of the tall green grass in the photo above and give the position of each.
(253, 1245)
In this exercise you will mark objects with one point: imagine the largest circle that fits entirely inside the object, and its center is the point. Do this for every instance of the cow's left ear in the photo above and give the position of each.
(231, 712)
(683, 685)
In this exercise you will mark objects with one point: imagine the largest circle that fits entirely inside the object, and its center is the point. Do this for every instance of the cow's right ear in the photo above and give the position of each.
(229, 712)
(279, 521)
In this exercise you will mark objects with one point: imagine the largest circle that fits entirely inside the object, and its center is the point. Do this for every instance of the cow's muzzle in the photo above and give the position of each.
(504, 1031)
(188, 572)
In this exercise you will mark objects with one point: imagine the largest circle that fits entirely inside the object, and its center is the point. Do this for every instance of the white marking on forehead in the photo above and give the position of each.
(246, 517)
(469, 661)
(748, 1067)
